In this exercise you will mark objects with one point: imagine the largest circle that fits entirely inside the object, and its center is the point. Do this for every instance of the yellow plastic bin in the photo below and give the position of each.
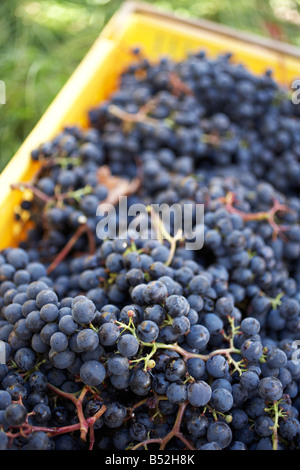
(157, 33)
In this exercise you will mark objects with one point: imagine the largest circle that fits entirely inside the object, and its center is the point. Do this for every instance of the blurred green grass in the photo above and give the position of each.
(42, 42)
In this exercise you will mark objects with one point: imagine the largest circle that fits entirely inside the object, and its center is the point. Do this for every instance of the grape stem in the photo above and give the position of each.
(82, 229)
(178, 86)
(188, 355)
(269, 215)
(84, 425)
(140, 116)
(183, 352)
(161, 233)
(57, 197)
(276, 413)
(175, 432)
(275, 427)
(37, 192)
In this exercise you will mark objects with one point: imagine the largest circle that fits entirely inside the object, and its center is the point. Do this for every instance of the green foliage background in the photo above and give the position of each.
(42, 42)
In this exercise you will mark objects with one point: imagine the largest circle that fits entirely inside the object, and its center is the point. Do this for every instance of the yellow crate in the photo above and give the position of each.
(135, 24)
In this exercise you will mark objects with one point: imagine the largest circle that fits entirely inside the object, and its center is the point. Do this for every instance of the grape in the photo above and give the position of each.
(83, 311)
(222, 383)
(181, 325)
(175, 369)
(5, 399)
(160, 384)
(135, 276)
(147, 331)
(155, 313)
(249, 380)
(197, 425)
(94, 354)
(92, 373)
(198, 337)
(49, 312)
(114, 262)
(45, 297)
(107, 317)
(114, 415)
(237, 445)
(199, 285)
(140, 382)
(155, 293)
(239, 418)
(137, 294)
(264, 426)
(18, 258)
(196, 367)
(25, 358)
(217, 366)
(87, 340)
(177, 305)
(64, 442)
(213, 323)
(221, 400)
(17, 392)
(15, 414)
(10, 378)
(289, 428)
(42, 413)
(47, 331)
(210, 446)
(255, 407)
(196, 302)
(122, 439)
(176, 393)
(270, 388)
(198, 393)
(276, 358)
(120, 382)
(251, 350)
(167, 408)
(3, 441)
(59, 342)
(67, 325)
(62, 360)
(21, 330)
(38, 441)
(108, 334)
(220, 433)
(13, 313)
(28, 306)
(118, 365)
(128, 345)
(167, 335)
(34, 321)
(7, 271)
(138, 432)
(130, 311)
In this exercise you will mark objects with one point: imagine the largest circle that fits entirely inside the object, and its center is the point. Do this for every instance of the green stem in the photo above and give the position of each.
(275, 427)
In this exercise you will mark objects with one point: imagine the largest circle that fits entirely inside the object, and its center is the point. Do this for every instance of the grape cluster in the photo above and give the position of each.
(118, 344)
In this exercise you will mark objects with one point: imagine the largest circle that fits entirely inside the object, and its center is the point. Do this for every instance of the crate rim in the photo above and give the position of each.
(138, 7)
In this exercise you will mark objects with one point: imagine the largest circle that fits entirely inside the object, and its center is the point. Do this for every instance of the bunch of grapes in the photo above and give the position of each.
(136, 343)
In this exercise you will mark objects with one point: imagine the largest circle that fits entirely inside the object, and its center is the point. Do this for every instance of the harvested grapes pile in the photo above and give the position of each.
(116, 344)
